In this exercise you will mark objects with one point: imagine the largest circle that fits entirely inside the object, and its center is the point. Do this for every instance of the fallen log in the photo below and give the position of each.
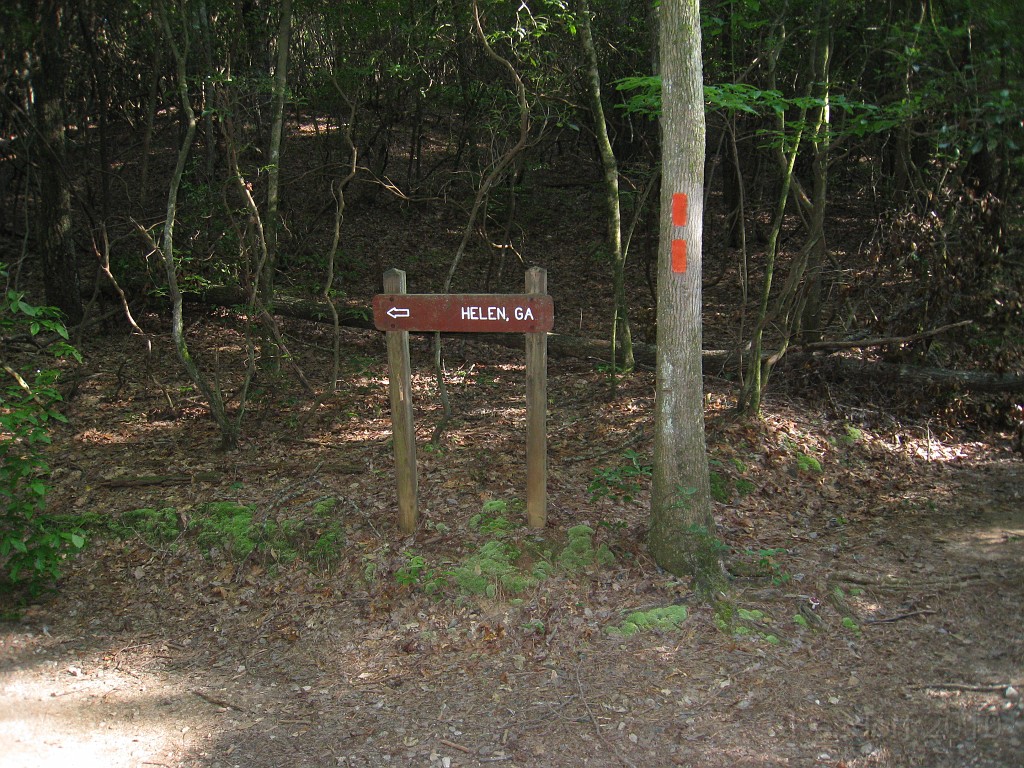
(718, 362)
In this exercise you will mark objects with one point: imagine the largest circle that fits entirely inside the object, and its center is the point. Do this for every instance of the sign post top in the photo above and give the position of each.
(464, 312)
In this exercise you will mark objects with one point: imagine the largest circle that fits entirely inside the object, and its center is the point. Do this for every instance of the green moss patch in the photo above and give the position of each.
(667, 619)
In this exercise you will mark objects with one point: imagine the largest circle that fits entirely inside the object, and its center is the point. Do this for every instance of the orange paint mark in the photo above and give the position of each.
(680, 204)
(679, 256)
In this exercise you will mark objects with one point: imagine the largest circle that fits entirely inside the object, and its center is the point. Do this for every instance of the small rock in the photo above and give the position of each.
(1011, 693)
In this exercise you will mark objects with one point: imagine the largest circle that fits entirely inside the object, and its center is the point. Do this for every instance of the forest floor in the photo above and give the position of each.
(902, 549)
(260, 608)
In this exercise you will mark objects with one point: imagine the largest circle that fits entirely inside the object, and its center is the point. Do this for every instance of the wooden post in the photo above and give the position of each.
(536, 412)
(403, 434)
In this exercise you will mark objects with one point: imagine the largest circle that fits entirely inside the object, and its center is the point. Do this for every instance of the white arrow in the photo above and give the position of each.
(396, 312)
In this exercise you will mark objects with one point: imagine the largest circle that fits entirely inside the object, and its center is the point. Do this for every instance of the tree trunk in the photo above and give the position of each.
(682, 538)
(61, 281)
(620, 327)
(228, 428)
(268, 269)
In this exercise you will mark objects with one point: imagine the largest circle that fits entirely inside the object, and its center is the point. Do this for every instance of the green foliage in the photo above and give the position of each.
(491, 520)
(666, 619)
(743, 622)
(232, 529)
(416, 573)
(33, 544)
(621, 483)
(326, 548)
(157, 527)
(765, 563)
(719, 487)
(744, 487)
(851, 435)
(227, 526)
(492, 568)
(579, 552)
(807, 463)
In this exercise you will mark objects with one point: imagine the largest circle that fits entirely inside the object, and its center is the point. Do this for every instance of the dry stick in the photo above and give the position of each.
(901, 617)
(453, 745)
(332, 253)
(104, 263)
(954, 581)
(496, 170)
(994, 687)
(878, 342)
(217, 702)
(597, 725)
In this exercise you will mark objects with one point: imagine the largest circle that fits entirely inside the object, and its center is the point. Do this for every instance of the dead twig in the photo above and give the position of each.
(217, 702)
(971, 688)
(863, 580)
(143, 480)
(597, 725)
(901, 617)
(459, 747)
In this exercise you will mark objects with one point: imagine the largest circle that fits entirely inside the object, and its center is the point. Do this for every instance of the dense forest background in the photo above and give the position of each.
(198, 201)
(862, 158)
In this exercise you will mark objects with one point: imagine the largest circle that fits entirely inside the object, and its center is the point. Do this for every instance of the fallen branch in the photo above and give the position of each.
(886, 583)
(716, 361)
(901, 617)
(453, 745)
(884, 341)
(217, 702)
(983, 688)
(143, 480)
(597, 726)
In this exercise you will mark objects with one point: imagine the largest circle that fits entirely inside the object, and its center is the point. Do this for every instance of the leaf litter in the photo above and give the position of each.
(903, 554)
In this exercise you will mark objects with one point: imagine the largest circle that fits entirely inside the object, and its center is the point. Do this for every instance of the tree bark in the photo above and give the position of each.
(682, 539)
(229, 428)
(61, 282)
(620, 322)
(268, 270)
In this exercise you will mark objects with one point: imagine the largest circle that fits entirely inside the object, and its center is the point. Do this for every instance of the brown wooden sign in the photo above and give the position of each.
(464, 312)
(532, 314)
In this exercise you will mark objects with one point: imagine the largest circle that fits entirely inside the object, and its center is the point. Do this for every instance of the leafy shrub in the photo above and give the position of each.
(33, 544)
(719, 487)
(327, 547)
(620, 483)
(416, 573)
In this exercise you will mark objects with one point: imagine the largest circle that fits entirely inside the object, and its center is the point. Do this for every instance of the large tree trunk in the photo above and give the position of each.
(682, 538)
(60, 267)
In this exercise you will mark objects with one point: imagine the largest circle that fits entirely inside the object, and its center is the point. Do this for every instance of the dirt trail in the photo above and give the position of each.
(139, 661)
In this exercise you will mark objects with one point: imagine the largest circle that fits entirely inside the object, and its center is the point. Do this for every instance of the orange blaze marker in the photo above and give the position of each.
(678, 256)
(680, 204)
